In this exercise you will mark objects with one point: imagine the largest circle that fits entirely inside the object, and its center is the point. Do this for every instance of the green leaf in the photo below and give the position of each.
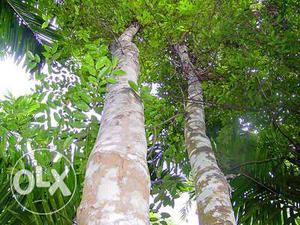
(92, 80)
(100, 63)
(82, 106)
(45, 24)
(133, 85)
(104, 71)
(114, 62)
(56, 117)
(165, 215)
(86, 97)
(37, 58)
(41, 119)
(56, 55)
(111, 80)
(32, 65)
(92, 71)
(89, 60)
(79, 116)
(103, 61)
(77, 124)
(67, 143)
(30, 55)
(118, 72)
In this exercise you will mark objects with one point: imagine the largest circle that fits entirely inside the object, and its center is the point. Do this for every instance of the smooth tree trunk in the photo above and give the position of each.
(117, 184)
(212, 190)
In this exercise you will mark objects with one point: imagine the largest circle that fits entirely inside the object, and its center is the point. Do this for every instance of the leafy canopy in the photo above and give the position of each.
(248, 53)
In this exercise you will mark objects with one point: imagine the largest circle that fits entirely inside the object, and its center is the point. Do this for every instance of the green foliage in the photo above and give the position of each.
(160, 219)
(21, 28)
(249, 52)
(18, 128)
(264, 181)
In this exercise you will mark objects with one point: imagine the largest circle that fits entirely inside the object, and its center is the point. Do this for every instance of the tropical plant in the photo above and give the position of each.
(246, 56)
(24, 28)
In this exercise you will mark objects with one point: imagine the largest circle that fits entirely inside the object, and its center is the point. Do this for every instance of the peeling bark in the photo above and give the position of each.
(213, 195)
(117, 183)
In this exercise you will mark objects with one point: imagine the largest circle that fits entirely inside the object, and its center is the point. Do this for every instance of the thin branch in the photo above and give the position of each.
(296, 145)
(167, 120)
(256, 162)
(259, 183)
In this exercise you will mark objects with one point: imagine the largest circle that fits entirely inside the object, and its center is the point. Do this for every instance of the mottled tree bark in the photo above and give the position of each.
(213, 195)
(117, 184)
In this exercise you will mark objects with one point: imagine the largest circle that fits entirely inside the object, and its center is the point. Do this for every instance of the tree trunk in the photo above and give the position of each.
(117, 184)
(212, 190)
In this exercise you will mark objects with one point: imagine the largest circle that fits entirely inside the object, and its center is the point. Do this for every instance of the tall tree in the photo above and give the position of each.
(250, 50)
(212, 189)
(116, 189)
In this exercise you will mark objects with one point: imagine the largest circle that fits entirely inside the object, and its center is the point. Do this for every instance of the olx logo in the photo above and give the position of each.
(59, 181)
(50, 177)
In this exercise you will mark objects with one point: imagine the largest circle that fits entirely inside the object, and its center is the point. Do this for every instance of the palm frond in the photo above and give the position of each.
(265, 182)
(21, 28)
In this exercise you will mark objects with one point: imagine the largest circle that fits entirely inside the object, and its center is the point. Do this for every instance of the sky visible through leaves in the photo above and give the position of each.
(14, 80)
